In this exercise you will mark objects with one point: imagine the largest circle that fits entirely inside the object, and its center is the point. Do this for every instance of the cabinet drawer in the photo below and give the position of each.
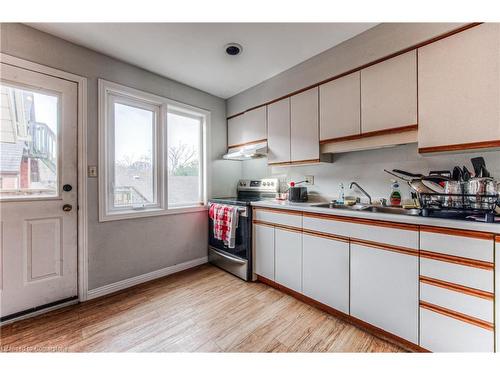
(471, 277)
(386, 233)
(441, 333)
(287, 218)
(477, 307)
(471, 245)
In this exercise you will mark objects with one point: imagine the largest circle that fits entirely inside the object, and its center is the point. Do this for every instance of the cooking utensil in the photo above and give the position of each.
(441, 173)
(477, 188)
(437, 178)
(484, 172)
(478, 163)
(457, 174)
(453, 201)
(414, 183)
(434, 186)
(466, 174)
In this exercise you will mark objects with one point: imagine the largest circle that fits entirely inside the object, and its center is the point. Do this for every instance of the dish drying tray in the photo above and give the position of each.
(479, 206)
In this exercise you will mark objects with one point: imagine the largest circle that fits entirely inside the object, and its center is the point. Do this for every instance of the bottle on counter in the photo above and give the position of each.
(341, 196)
(395, 197)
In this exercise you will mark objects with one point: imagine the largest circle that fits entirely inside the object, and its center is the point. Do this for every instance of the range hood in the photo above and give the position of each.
(247, 152)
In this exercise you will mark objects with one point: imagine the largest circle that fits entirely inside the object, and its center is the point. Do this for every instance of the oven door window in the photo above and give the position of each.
(242, 243)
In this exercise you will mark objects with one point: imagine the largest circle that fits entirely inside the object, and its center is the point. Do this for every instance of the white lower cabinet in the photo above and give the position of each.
(325, 271)
(376, 275)
(264, 250)
(440, 333)
(288, 258)
(384, 290)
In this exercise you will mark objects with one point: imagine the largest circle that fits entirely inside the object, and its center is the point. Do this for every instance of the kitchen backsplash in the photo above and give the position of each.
(367, 168)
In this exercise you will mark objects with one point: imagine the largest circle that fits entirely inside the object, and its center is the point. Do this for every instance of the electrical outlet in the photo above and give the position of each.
(309, 180)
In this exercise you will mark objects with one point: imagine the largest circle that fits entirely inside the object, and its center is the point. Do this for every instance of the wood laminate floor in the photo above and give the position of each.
(200, 310)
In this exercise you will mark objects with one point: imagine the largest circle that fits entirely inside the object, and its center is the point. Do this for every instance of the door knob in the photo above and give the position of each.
(67, 207)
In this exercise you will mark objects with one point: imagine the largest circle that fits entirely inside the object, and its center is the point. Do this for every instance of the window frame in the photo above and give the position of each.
(110, 93)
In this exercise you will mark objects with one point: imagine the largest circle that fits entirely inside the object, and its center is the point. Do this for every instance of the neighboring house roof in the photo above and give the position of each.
(10, 157)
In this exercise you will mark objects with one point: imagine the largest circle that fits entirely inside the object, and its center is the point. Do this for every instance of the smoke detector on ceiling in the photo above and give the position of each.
(233, 49)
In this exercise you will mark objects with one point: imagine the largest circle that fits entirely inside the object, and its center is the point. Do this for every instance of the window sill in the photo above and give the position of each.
(134, 214)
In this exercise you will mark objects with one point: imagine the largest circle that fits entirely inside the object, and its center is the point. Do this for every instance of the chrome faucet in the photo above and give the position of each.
(362, 190)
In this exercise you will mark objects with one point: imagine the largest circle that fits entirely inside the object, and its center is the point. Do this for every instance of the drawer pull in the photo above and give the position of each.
(457, 260)
(457, 288)
(456, 315)
(325, 235)
(381, 246)
(279, 226)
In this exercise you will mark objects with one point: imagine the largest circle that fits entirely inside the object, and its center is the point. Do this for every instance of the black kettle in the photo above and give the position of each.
(297, 193)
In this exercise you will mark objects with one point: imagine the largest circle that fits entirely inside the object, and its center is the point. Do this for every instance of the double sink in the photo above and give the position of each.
(372, 208)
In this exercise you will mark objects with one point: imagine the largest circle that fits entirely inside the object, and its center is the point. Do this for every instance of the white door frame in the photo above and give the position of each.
(82, 249)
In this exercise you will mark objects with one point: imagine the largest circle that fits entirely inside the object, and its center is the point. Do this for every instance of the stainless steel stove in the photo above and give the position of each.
(238, 260)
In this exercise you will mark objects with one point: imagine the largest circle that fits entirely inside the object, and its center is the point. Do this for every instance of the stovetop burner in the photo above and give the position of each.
(252, 191)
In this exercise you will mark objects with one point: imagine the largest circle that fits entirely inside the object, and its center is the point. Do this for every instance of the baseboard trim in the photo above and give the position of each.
(127, 283)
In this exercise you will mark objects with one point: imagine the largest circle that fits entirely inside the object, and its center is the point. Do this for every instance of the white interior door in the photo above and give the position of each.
(38, 190)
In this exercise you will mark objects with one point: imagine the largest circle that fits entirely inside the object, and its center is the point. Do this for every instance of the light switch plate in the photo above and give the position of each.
(92, 171)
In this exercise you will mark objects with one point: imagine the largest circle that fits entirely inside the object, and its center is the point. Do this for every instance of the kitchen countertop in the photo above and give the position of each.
(418, 220)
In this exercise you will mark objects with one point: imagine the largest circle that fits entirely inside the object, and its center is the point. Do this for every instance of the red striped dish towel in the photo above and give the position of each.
(225, 223)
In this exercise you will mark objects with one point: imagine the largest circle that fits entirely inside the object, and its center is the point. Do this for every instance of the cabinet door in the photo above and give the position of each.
(256, 124)
(325, 271)
(235, 131)
(459, 88)
(340, 107)
(384, 290)
(246, 128)
(288, 251)
(263, 240)
(389, 94)
(304, 126)
(278, 131)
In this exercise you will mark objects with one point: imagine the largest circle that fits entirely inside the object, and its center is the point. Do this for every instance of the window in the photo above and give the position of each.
(151, 154)
(29, 137)
(185, 178)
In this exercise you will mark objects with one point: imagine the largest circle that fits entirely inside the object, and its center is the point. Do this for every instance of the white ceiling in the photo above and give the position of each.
(193, 53)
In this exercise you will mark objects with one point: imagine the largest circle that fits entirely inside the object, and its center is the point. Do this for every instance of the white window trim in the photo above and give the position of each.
(107, 89)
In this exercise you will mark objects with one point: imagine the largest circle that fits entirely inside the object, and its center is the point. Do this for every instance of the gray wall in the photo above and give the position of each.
(122, 249)
(367, 168)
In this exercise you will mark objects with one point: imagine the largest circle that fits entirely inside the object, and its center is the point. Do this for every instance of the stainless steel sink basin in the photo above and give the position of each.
(356, 207)
(394, 210)
(376, 209)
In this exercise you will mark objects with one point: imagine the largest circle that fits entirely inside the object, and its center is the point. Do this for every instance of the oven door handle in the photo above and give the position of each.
(228, 257)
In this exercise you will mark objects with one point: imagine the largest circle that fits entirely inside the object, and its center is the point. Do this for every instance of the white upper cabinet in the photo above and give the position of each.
(340, 107)
(459, 90)
(278, 131)
(246, 128)
(304, 126)
(389, 94)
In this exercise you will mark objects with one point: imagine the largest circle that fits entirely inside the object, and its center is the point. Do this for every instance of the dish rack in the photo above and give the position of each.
(466, 204)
